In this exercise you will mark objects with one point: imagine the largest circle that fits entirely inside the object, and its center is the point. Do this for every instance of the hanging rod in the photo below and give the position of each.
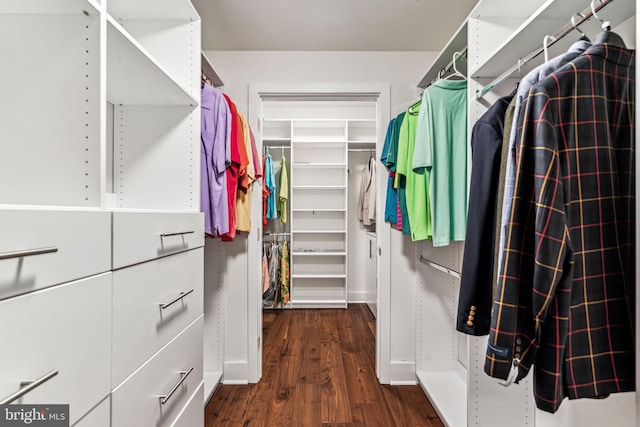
(362, 149)
(586, 15)
(440, 267)
(276, 147)
(277, 234)
(443, 72)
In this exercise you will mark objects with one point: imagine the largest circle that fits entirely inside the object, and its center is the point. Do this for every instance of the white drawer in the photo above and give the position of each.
(143, 236)
(193, 413)
(82, 240)
(137, 401)
(100, 416)
(140, 326)
(65, 328)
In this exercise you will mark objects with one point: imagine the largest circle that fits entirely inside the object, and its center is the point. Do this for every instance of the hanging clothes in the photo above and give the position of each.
(215, 130)
(243, 200)
(536, 75)
(367, 195)
(233, 170)
(476, 288)
(566, 292)
(265, 191)
(441, 154)
(284, 276)
(276, 275)
(270, 183)
(390, 208)
(283, 194)
(399, 181)
(413, 186)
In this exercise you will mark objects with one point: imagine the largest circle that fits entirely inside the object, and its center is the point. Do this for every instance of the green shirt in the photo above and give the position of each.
(441, 150)
(416, 185)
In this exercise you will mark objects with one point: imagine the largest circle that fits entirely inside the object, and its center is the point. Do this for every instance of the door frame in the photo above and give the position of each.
(383, 269)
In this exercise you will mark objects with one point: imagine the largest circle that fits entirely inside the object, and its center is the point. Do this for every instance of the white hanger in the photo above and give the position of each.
(545, 45)
(455, 73)
(605, 24)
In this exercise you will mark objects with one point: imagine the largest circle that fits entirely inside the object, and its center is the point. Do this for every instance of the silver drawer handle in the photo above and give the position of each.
(27, 252)
(176, 299)
(31, 385)
(179, 233)
(165, 398)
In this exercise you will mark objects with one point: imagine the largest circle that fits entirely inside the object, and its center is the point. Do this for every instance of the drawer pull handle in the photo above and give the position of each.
(176, 299)
(164, 399)
(27, 252)
(179, 233)
(30, 386)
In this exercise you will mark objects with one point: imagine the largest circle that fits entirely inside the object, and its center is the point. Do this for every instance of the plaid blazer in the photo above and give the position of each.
(565, 301)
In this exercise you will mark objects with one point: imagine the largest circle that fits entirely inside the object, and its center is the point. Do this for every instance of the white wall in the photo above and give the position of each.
(402, 71)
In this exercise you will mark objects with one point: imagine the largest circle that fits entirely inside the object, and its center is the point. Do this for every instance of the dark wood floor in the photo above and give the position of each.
(319, 370)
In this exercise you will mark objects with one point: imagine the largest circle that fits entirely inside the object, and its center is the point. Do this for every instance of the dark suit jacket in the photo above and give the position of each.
(566, 293)
(476, 287)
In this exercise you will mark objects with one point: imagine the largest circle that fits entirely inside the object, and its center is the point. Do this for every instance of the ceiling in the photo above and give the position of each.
(330, 25)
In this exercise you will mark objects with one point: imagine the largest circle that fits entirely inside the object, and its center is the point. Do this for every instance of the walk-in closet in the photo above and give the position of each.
(392, 213)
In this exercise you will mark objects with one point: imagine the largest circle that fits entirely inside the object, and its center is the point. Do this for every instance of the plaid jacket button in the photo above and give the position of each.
(469, 323)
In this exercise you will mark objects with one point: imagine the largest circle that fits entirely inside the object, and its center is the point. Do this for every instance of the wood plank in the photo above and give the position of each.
(319, 370)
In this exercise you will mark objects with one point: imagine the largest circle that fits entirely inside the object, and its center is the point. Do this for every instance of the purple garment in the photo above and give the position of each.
(214, 137)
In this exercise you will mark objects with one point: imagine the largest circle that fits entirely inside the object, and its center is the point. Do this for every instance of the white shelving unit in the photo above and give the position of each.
(106, 177)
(319, 181)
(319, 134)
(450, 365)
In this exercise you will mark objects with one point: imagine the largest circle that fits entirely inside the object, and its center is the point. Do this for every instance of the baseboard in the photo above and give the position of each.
(236, 373)
(357, 297)
(402, 373)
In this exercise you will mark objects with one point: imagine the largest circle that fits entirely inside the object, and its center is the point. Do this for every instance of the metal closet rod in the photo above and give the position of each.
(362, 149)
(276, 147)
(440, 267)
(447, 68)
(586, 15)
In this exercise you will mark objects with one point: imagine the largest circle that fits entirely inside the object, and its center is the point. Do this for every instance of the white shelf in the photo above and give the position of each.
(363, 142)
(318, 253)
(134, 77)
(319, 165)
(265, 138)
(153, 10)
(550, 18)
(456, 44)
(318, 210)
(318, 187)
(448, 395)
(319, 231)
(319, 304)
(44, 7)
(212, 380)
(323, 140)
(209, 71)
(318, 276)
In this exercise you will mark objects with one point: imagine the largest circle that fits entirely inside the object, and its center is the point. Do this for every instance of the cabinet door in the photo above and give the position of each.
(143, 236)
(67, 329)
(141, 326)
(156, 394)
(41, 248)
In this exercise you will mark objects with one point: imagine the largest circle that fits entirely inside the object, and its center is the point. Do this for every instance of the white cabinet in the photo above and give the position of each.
(157, 392)
(99, 171)
(45, 247)
(66, 329)
(152, 303)
(143, 236)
